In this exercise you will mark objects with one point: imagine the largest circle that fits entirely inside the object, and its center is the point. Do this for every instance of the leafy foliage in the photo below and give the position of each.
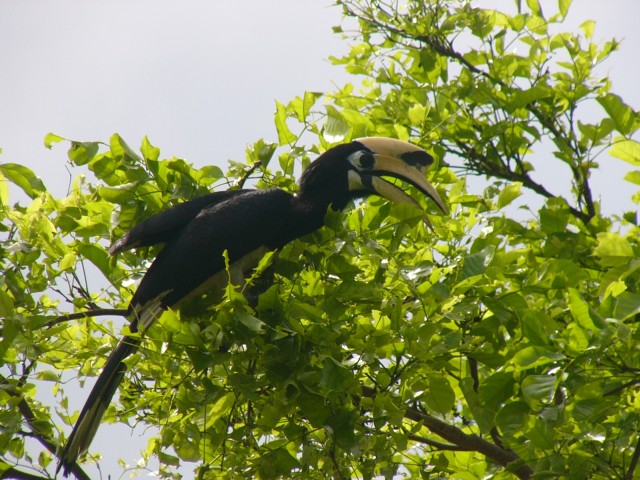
(490, 347)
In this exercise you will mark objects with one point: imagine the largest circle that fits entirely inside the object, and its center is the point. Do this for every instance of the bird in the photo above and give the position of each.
(241, 225)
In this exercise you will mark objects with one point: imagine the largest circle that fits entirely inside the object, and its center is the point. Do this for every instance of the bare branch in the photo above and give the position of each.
(100, 312)
(241, 181)
(465, 441)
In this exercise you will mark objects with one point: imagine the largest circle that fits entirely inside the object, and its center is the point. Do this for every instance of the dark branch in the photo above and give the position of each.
(242, 180)
(30, 417)
(100, 312)
(13, 472)
(465, 441)
(634, 461)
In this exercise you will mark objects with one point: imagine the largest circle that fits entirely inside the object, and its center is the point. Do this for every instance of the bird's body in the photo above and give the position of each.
(243, 224)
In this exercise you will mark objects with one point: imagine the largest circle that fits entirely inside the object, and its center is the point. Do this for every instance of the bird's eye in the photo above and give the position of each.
(363, 160)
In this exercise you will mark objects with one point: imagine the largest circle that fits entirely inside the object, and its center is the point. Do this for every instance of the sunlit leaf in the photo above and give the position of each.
(509, 193)
(627, 150)
(4, 190)
(23, 177)
(51, 138)
(625, 119)
(285, 137)
(538, 390)
(563, 7)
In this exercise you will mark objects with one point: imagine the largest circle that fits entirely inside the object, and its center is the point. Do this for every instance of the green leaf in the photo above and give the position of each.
(7, 307)
(563, 7)
(122, 194)
(633, 176)
(627, 150)
(554, 217)
(538, 327)
(278, 463)
(167, 459)
(68, 262)
(534, 5)
(495, 389)
(623, 116)
(23, 177)
(341, 424)
(512, 417)
(580, 311)
(81, 153)
(98, 256)
(526, 97)
(440, 396)
(477, 263)
(417, 114)
(285, 137)
(251, 322)
(538, 390)
(509, 193)
(120, 149)
(334, 375)
(149, 152)
(588, 27)
(627, 305)
(335, 127)
(611, 244)
(51, 138)
(534, 356)
(220, 408)
(4, 190)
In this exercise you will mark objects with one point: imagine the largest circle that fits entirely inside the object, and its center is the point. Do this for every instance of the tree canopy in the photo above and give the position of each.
(501, 343)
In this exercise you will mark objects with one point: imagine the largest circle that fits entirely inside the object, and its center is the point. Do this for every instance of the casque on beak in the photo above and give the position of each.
(401, 160)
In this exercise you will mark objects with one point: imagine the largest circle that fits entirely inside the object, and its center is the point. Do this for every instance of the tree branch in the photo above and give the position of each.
(241, 181)
(99, 312)
(465, 441)
(30, 417)
(13, 472)
(634, 461)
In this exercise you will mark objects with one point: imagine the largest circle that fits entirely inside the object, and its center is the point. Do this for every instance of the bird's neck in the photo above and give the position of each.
(312, 210)
(307, 215)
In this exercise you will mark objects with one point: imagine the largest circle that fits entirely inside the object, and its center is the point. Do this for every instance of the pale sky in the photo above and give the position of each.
(200, 79)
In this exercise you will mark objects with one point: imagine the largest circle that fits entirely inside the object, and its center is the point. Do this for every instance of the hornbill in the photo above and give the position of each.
(245, 224)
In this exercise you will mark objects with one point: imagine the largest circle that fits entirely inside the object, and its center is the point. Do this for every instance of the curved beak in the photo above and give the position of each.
(401, 160)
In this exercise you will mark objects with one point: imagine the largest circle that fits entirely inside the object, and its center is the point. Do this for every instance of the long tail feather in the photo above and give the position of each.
(96, 405)
(105, 388)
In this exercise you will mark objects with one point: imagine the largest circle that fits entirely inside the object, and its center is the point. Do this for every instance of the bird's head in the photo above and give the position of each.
(356, 169)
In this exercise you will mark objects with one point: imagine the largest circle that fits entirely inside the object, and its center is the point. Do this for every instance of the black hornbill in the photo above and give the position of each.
(246, 224)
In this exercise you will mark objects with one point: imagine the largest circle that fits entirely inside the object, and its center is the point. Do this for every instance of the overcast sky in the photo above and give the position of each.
(200, 78)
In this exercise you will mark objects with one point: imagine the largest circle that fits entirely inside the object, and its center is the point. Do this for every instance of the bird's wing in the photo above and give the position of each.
(164, 226)
(240, 225)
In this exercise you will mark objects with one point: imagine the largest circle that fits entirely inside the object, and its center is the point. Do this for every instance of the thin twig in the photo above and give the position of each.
(242, 180)
(436, 444)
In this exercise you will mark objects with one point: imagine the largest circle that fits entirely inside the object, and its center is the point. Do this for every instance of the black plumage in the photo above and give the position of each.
(245, 224)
